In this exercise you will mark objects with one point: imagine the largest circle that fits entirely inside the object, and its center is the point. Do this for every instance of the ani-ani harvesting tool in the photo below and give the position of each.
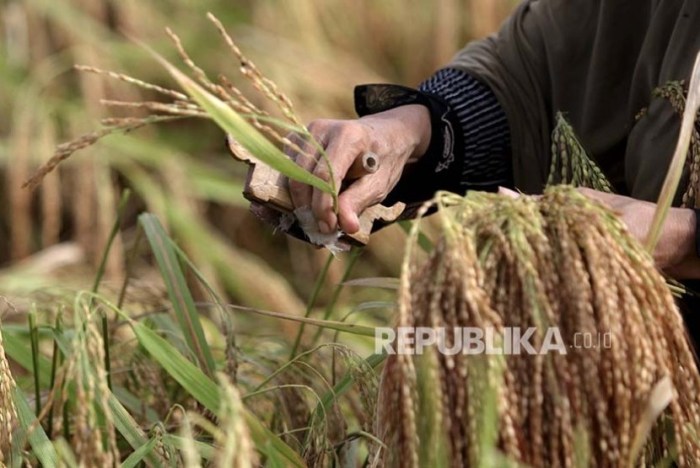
(268, 188)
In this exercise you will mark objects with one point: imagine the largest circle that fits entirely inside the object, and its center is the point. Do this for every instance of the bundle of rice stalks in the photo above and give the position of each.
(81, 412)
(8, 412)
(218, 100)
(565, 266)
(231, 433)
(571, 164)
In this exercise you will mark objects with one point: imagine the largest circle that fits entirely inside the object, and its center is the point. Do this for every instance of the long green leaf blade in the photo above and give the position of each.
(351, 328)
(179, 293)
(204, 450)
(130, 429)
(139, 454)
(204, 390)
(41, 445)
(17, 347)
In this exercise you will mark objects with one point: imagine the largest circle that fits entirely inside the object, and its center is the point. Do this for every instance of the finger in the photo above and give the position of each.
(341, 154)
(588, 192)
(362, 194)
(603, 197)
(292, 144)
(305, 153)
(508, 192)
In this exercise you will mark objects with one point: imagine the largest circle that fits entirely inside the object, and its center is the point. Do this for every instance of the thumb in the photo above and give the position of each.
(363, 193)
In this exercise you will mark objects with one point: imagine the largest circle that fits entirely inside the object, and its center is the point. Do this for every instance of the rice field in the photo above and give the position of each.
(148, 319)
(145, 235)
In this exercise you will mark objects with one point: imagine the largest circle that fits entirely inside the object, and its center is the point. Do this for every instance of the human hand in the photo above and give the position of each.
(675, 251)
(677, 241)
(395, 136)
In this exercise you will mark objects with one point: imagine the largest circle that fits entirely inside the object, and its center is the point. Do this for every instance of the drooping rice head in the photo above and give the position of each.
(8, 412)
(557, 261)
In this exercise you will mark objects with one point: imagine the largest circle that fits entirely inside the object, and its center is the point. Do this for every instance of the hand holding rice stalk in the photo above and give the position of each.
(560, 260)
(675, 170)
(221, 102)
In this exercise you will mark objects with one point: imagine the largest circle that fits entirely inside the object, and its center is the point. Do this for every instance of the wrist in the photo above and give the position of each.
(411, 128)
(421, 114)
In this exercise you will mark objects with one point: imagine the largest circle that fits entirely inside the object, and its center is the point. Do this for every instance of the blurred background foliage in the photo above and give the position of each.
(316, 51)
(52, 239)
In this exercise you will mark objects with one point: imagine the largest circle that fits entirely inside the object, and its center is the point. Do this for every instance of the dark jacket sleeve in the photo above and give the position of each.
(597, 61)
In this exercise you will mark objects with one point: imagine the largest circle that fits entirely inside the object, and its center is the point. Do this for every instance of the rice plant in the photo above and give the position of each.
(160, 368)
(173, 394)
(560, 261)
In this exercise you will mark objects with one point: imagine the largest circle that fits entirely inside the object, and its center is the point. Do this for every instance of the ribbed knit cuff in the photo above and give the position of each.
(485, 156)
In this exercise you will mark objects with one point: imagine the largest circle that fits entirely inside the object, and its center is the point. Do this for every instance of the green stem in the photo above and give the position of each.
(282, 368)
(98, 278)
(112, 235)
(354, 256)
(320, 280)
(66, 422)
(129, 262)
(34, 340)
(54, 366)
(105, 344)
(425, 244)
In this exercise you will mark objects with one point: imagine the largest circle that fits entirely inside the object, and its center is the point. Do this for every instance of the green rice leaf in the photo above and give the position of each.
(205, 390)
(379, 282)
(423, 241)
(130, 429)
(243, 132)
(204, 450)
(134, 404)
(201, 387)
(139, 454)
(16, 344)
(41, 445)
(178, 292)
(321, 323)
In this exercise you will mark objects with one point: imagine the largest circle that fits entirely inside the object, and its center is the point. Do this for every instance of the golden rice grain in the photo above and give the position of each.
(560, 260)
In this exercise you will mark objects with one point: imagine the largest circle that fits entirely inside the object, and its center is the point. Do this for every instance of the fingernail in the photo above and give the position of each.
(324, 227)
